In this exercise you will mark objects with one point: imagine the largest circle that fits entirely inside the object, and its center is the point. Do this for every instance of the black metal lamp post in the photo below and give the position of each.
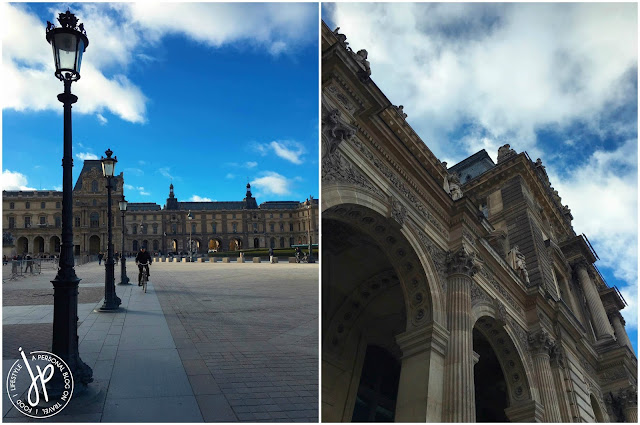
(111, 300)
(190, 217)
(124, 280)
(310, 258)
(68, 43)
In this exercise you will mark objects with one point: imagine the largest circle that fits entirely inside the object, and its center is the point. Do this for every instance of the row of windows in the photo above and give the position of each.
(213, 216)
(27, 205)
(27, 222)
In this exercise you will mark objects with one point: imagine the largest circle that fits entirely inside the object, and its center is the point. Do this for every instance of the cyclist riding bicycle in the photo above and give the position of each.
(143, 259)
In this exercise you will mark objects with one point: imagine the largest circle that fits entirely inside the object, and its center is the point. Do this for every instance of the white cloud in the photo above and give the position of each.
(13, 180)
(139, 189)
(230, 176)
(86, 155)
(272, 183)
(289, 150)
(102, 119)
(118, 32)
(611, 222)
(251, 164)
(165, 172)
(508, 68)
(196, 198)
(134, 171)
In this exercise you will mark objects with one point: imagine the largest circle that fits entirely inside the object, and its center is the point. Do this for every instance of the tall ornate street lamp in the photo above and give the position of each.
(69, 41)
(124, 280)
(310, 258)
(190, 217)
(111, 300)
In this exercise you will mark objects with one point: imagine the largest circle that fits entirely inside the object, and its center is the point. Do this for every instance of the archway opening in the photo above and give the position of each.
(38, 245)
(214, 244)
(256, 243)
(597, 412)
(378, 389)
(54, 245)
(490, 386)
(94, 244)
(22, 245)
(363, 311)
(174, 245)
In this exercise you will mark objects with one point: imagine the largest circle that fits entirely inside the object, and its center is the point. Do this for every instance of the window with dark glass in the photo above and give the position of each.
(27, 222)
(27, 205)
(94, 186)
(282, 227)
(43, 205)
(155, 229)
(58, 221)
(43, 220)
(77, 219)
(134, 229)
(12, 222)
(12, 205)
(94, 220)
(235, 227)
(57, 204)
(291, 227)
(271, 227)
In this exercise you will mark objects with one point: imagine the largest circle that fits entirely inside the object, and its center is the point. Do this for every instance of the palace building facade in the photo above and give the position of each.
(32, 221)
(454, 294)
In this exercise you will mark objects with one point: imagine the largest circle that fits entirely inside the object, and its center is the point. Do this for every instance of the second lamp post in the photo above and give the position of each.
(124, 280)
(111, 300)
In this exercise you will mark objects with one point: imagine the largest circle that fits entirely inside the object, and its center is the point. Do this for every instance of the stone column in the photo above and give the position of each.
(629, 402)
(459, 396)
(598, 314)
(558, 368)
(541, 346)
(420, 386)
(618, 326)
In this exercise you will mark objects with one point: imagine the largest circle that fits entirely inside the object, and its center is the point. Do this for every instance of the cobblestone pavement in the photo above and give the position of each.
(247, 335)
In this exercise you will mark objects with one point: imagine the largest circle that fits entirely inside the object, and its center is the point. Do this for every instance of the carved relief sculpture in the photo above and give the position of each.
(452, 186)
(517, 262)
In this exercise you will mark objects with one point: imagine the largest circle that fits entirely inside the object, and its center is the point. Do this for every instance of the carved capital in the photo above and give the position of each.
(462, 261)
(541, 342)
(580, 263)
(615, 314)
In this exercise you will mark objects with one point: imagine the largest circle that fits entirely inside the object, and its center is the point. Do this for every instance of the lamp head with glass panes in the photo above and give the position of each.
(69, 41)
(108, 164)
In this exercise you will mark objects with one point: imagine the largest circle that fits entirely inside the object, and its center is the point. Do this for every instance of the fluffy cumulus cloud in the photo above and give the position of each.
(139, 189)
(603, 198)
(196, 198)
(504, 69)
(289, 150)
(117, 32)
(271, 183)
(86, 155)
(13, 180)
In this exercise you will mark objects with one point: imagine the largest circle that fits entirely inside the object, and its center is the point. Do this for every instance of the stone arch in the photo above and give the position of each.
(215, 243)
(94, 244)
(22, 245)
(597, 408)
(511, 357)
(38, 245)
(54, 245)
(418, 273)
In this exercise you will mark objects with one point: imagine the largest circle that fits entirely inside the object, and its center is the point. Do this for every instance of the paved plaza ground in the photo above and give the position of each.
(213, 342)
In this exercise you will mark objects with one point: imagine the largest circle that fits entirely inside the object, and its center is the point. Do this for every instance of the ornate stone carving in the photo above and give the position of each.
(505, 152)
(557, 356)
(336, 130)
(501, 311)
(488, 274)
(398, 211)
(361, 57)
(628, 397)
(613, 375)
(462, 261)
(517, 262)
(541, 342)
(341, 37)
(341, 97)
(399, 184)
(478, 295)
(438, 256)
(452, 185)
(335, 168)
(400, 110)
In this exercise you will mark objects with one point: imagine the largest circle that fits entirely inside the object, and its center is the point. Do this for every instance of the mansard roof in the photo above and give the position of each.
(143, 206)
(88, 166)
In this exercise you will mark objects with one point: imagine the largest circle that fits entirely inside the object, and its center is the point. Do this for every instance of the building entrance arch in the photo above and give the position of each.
(54, 245)
(38, 245)
(94, 244)
(22, 245)
(375, 293)
(215, 243)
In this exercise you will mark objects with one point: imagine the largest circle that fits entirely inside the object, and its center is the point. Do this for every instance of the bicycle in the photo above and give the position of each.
(145, 276)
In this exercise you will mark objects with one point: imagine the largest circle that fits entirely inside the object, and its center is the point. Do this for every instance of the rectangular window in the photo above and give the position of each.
(291, 227)
(77, 221)
(43, 220)
(155, 229)
(12, 222)
(255, 227)
(43, 205)
(271, 228)
(193, 228)
(27, 222)
(58, 221)
(57, 204)
(12, 205)
(235, 227)
(282, 227)
(134, 229)
(27, 205)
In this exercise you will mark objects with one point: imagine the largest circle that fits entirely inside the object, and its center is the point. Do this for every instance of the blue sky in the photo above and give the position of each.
(208, 96)
(556, 80)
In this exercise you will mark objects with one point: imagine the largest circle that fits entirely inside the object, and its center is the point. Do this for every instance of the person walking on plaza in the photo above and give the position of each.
(100, 256)
(143, 259)
(116, 257)
(271, 255)
(29, 264)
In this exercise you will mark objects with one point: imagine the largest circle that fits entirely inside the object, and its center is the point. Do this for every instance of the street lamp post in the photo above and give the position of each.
(68, 42)
(310, 258)
(190, 217)
(111, 300)
(124, 280)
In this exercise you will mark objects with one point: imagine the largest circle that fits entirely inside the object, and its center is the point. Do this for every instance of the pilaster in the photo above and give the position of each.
(541, 346)
(598, 314)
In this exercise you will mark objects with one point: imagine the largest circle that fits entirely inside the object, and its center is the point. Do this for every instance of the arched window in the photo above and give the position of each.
(94, 186)
(256, 243)
(94, 220)
(135, 245)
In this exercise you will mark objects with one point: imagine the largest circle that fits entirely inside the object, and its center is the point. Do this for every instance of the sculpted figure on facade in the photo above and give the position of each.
(341, 37)
(517, 262)
(336, 130)
(452, 186)
(361, 58)
(505, 152)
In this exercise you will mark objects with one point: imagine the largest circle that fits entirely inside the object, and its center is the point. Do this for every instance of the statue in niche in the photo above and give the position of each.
(517, 262)
(452, 186)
